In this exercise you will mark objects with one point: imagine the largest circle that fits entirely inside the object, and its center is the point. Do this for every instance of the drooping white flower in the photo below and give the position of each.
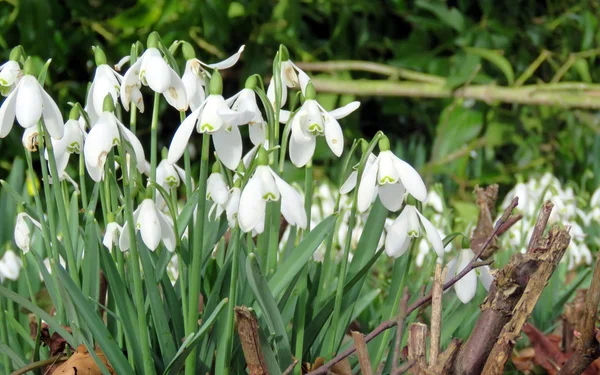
(291, 76)
(70, 143)
(105, 134)
(106, 82)
(152, 70)
(265, 185)
(466, 287)
(29, 103)
(388, 177)
(23, 232)
(111, 236)
(10, 74)
(49, 266)
(408, 225)
(257, 127)
(217, 192)
(169, 175)
(312, 121)
(216, 118)
(195, 76)
(30, 139)
(154, 226)
(232, 206)
(10, 266)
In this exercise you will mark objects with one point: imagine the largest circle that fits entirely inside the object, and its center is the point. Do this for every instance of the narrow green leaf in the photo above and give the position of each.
(269, 308)
(300, 255)
(44, 72)
(13, 193)
(192, 340)
(18, 361)
(95, 324)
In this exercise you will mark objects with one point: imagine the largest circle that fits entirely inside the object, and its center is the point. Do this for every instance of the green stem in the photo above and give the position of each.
(196, 254)
(49, 201)
(4, 337)
(154, 141)
(62, 212)
(224, 355)
(344, 266)
(135, 268)
(82, 186)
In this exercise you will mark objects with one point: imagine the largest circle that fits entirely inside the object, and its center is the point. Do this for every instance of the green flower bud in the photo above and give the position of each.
(153, 39)
(250, 82)
(384, 143)
(284, 53)
(466, 243)
(108, 105)
(28, 67)
(263, 156)
(216, 167)
(310, 92)
(99, 56)
(74, 113)
(17, 53)
(188, 51)
(364, 145)
(164, 153)
(216, 84)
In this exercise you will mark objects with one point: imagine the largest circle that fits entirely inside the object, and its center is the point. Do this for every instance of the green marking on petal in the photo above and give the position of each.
(413, 233)
(269, 197)
(387, 180)
(207, 127)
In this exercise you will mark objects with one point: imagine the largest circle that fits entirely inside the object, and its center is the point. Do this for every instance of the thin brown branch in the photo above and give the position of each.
(400, 327)
(421, 301)
(290, 368)
(549, 252)
(512, 221)
(588, 348)
(39, 364)
(363, 353)
(540, 226)
(436, 314)
(404, 368)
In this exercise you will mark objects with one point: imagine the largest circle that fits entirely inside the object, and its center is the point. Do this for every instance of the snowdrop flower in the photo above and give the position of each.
(106, 81)
(49, 266)
(217, 191)
(10, 71)
(105, 134)
(29, 103)
(291, 76)
(153, 71)
(265, 185)
(311, 121)
(111, 236)
(233, 205)
(154, 225)
(70, 143)
(10, 266)
(23, 232)
(216, 118)
(408, 225)
(467, 286)
(246, 101)
(388, 177)
(194, 76)
(30, 139)
(169, 175)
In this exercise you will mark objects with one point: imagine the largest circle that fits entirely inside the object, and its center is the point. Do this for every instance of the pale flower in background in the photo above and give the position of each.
(10, 74)
(466, 287)
(154, 226)
(70, 143)
(22, 233)
(408, 225)
(218, 193)
(10, 266)
(111, 236)
(106, 82)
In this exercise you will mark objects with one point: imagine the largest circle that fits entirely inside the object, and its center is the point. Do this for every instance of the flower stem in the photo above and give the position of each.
(135, 267)
(196, 253)
(224, 354)
(82, 187)
(154, 141)
(62, 211)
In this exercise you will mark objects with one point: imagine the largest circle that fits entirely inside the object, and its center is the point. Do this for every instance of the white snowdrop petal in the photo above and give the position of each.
(131, 84)
(433, 235)
(52, 117)
(182, 136)
(350, 183)
(228, 62)
(156, 72)
(387, 173)
(149, 224)
(367, 187)
(176, 92)
(411, 179)
(252, 207)
(258, 133)
(392, 196)
(466, 287)
(292, 205)
(167, 231)
(29, 102)
(396, 240)
(301, 153)
(7, 114)
(124, 238)
(334, 135)
(228, 145)
(345, 110)
(217, 189)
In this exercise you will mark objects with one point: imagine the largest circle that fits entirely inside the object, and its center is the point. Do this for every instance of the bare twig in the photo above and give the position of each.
(549, 254)
(417, 347)
(588, 348)
(421, 301)
(540, 226)
(509, 223)
(404, 368)
(35, 365)
(400, 327)
(290, 368)
(363, 353)
(436, 314)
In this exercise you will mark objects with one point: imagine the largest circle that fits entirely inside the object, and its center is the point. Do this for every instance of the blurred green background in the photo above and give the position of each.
(459, 142)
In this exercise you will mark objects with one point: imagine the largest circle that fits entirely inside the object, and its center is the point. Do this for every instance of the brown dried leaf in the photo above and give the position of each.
(247, 328)
(340, 368)
(83, 363)
(55, 342)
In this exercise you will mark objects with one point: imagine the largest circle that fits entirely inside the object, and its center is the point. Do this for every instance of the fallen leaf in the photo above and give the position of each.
(83, 363)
